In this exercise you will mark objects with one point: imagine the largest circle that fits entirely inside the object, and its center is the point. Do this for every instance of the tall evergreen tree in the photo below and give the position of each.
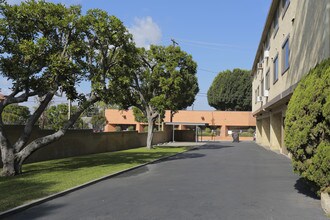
(231, 91)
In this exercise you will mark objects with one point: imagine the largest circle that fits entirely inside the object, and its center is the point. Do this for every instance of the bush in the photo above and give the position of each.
(251, 131)
(246, 134)
(130, 128)
(307, 127)
(145, 129)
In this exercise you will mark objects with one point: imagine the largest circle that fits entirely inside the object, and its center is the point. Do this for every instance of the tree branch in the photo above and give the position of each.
(44, 141)
(22, 98)
(20, 143)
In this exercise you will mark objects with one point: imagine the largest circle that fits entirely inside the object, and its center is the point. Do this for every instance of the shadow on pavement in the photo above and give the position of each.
(214, 146)
(40, 211)
(187, 155)
(304, 187)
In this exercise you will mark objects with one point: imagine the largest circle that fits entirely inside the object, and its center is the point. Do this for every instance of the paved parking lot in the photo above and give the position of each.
(217, 181)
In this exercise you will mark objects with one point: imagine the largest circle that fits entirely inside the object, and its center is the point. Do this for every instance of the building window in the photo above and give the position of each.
(275, 69)
(285, 56)
(275, 22)
(258, 93)
(285, 5)
(267, 86)
(255, 96)
(262, 87)
(267, 42)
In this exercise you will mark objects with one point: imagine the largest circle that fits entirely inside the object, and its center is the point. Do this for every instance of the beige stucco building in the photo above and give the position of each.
(295, 38)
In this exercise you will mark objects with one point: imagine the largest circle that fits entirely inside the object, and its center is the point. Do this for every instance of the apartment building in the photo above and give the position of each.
(295, 38)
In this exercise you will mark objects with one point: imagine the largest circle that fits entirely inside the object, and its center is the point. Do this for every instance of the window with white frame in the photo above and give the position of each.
(285, 55)
(275, 69)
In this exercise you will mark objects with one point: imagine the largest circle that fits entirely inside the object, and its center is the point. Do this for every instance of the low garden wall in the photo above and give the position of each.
(84, 142)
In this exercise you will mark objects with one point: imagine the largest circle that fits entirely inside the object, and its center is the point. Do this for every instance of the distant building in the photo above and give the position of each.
(295, 38)
(2, 97)
(221, 122)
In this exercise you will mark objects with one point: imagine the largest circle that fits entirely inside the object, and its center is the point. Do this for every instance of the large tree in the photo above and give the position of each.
(49, 48)
(164, 78)
(231, 91)
(15, 114)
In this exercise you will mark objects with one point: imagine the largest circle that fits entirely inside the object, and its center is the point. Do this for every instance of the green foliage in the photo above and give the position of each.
(40, 46)
(165, 78)
(57, 115)
(251, 130)
(15, 114)
(246, 134)
(307, 126)
(159, 79)
(110, 56)
(98, 121)
(47, 49)
(130, 128)
(118, 128)
(139, 116)
(231, 91)
(97, 114)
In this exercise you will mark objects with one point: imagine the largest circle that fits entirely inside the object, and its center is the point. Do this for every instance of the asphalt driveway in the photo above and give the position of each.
(217, 181)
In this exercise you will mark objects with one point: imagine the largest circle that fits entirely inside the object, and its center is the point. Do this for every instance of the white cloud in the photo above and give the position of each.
(145, 32)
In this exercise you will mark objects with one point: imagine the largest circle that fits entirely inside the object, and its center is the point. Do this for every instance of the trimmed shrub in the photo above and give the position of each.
(307, 127)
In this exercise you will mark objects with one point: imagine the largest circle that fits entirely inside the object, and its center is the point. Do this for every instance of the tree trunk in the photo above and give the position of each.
(8, 160)
(150, 132)
(13, 158)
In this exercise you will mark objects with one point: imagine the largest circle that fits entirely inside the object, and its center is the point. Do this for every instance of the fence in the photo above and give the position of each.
(84, 142)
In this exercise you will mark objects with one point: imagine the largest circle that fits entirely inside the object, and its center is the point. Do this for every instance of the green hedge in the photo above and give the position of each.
(307, 127)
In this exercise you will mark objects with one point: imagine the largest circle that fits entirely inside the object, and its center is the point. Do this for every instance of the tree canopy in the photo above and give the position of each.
(231, 91)
(164, 79)
(57, 115)
(48, 49)
(15, 115)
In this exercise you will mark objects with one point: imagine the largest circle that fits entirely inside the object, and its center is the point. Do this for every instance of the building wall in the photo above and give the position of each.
(306, 26)
(220, 119)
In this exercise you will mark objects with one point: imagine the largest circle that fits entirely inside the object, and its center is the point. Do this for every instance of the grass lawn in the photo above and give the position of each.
(45, 178)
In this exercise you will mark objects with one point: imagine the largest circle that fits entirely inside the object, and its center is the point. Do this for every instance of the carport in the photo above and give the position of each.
(187, 124)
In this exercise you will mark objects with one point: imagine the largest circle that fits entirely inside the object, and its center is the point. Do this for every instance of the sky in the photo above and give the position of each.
(219, 34)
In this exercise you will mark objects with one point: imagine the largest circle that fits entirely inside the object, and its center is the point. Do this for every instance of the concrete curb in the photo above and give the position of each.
(325, 203)
(54, 196)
